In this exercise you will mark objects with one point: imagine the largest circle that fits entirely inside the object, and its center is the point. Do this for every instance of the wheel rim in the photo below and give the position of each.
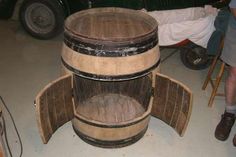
(197, 57)
(40, 18)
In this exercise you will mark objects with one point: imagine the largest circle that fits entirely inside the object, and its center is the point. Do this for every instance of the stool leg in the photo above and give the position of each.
(210, 71)
(216, 85)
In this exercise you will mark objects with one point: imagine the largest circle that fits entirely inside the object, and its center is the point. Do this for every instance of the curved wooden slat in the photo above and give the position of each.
(54, 106)
(172, 103)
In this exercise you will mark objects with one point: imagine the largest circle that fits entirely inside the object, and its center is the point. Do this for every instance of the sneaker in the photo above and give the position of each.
(224, 127)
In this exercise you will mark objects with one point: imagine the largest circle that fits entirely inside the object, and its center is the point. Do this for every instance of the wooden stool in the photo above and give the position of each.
(215, 82)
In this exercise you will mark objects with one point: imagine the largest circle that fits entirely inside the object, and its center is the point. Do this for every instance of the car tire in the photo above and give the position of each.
(195, 57)
(42, 19)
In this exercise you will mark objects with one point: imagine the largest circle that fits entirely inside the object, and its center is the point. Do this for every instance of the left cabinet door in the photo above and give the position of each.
(54, 106)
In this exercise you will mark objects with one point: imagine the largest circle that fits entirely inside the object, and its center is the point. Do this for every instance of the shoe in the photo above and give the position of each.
(234, 140)
(224, 127)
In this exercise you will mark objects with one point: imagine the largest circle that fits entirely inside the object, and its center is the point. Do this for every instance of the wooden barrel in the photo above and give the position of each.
(112, 113)
(112, 55)
(110, 44)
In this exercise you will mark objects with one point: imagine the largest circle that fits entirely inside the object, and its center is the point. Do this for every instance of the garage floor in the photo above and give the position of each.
(27, 65)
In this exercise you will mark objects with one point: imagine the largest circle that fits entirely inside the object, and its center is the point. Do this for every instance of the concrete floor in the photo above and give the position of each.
(27, 65)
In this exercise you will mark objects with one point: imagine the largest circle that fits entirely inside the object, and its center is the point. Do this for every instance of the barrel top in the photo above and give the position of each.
(110, 24)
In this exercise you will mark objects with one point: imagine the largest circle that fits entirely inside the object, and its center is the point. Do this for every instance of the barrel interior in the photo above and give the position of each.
(110, 24)
(111, 103)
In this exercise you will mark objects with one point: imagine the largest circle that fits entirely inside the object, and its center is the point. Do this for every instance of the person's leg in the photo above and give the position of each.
(229, 56)
(230, 89)
(224, 127)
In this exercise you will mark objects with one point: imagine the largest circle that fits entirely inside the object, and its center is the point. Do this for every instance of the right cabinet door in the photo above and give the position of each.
(172, 103)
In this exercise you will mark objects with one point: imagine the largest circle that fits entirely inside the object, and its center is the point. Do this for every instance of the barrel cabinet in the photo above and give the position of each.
(111, 84)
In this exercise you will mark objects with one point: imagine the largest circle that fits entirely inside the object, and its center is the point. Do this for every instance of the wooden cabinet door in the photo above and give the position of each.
(172, 103)
(54, 106)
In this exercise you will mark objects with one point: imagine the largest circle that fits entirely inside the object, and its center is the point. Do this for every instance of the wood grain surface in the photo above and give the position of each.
(138, 89)
(111, 24)
(54, 106)
(111, 66)
(110, 42)
(111, 108)
(172, 103)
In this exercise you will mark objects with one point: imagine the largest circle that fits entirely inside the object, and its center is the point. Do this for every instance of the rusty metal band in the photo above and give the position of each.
(110, 50)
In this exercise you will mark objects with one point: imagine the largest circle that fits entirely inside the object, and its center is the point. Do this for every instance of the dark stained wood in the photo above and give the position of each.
(177, 108)
(54, 106)
(160, 97)
(43, 117)
(67, 99)
(184, 115)
(51, 108)
(169, 108)
(172, 103)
